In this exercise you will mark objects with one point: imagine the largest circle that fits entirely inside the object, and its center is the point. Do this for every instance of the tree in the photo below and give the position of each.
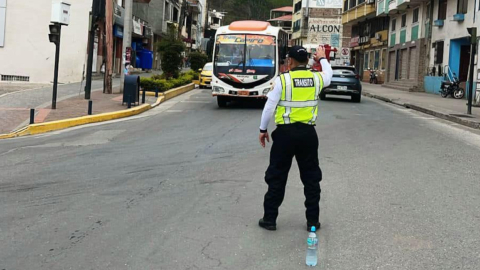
(197, 60)
(170, 49)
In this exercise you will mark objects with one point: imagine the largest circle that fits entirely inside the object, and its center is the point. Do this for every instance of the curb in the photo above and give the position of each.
(444, 116)
(77, 121)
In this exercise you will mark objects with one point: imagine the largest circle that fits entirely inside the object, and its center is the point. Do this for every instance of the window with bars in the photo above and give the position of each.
(15, 78)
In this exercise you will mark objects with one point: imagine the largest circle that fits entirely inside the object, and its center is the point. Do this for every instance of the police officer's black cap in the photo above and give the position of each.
(298, 53)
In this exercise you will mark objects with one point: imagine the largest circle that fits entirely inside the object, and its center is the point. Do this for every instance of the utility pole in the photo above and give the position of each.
(56, 32)
(109, 45)
(473, 41)
(98, 11)
(127, 37)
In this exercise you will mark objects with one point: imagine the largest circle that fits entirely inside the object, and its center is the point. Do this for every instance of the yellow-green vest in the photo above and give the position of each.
(299, 100)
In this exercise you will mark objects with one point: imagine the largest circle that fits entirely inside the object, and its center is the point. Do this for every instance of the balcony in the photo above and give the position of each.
(358, 13)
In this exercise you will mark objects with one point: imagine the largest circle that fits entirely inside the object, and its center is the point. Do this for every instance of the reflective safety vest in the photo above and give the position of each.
(299, 100)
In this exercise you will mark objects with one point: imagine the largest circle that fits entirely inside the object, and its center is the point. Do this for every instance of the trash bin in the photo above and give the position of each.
(131, 88)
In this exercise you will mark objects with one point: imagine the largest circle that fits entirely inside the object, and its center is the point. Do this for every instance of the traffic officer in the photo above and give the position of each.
(294, 100)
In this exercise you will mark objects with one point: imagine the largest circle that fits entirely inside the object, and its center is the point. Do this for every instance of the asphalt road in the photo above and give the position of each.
(181, 187)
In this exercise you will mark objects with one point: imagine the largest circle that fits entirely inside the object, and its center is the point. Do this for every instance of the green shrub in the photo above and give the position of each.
(170, 49)
(150, 84)
(197, 60)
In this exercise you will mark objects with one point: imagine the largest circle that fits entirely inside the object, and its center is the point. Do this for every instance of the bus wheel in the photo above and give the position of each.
(221, 101)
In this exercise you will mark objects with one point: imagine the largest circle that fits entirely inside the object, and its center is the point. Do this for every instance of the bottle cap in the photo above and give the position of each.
(313, 229)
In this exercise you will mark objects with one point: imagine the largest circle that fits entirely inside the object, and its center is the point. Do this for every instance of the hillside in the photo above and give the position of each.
(247, 9)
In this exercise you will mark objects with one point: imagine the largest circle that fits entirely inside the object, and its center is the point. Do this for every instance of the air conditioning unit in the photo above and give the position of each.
(370, 1)
(378, 36)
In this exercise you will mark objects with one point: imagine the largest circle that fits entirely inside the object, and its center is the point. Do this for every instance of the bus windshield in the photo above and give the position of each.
(245, 58)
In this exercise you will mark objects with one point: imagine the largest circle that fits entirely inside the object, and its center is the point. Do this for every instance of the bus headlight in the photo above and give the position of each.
(218, 89)
(266, 90)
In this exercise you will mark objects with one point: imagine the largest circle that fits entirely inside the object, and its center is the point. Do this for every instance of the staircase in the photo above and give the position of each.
(403, 85)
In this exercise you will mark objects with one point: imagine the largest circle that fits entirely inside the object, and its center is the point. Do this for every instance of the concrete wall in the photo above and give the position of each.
(152, 13)
(27, 50)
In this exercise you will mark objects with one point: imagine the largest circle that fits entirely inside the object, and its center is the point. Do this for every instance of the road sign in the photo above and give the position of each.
(345, 51)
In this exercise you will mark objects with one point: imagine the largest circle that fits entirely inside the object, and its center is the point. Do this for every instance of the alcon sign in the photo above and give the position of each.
(325, 28)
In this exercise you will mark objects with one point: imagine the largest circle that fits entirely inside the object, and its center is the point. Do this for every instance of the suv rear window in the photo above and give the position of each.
(343, 72)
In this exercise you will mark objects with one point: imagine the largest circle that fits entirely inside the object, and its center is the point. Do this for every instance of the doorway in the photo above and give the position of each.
(464, 63)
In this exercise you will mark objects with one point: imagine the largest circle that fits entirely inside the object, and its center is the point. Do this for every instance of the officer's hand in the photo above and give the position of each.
(320, 53)
(262, 138)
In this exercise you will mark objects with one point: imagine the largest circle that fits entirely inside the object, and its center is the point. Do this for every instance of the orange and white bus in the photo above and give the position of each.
(248, 56)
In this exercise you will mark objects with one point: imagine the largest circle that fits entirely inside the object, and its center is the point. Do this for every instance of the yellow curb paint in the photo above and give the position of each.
(72, 122)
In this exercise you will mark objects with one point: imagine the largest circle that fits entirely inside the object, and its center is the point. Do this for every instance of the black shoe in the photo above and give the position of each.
(268, 225)
(312, 224)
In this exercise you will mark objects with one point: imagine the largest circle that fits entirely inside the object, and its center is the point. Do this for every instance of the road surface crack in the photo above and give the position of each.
(206, 255)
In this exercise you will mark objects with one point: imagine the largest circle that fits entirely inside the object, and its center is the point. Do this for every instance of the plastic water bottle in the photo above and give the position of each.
(312, 247)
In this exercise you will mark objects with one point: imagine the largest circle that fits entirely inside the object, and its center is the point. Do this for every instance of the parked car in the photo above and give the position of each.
(205, 76)
(345, 82)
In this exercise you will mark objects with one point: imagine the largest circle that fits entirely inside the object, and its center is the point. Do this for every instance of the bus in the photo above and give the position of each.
(247, 57)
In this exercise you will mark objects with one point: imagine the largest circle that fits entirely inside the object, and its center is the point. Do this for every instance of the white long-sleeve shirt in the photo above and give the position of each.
(275, 95)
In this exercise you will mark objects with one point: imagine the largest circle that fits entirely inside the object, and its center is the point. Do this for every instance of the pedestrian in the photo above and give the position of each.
(294, 99)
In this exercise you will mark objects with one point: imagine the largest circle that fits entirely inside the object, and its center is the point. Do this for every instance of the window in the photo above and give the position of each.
(442, 9)
(372, 59)
(167, 11)
(384, 59)
(439, 52)
(376, 64)
(175, 15)
(428, 11)
(394, 24)
(3, 12)
(345, 5)
(365, 61)
(298, 6)
(404, 20)
(352, 3)
(415, 15)
(462, 6)
(360, 1)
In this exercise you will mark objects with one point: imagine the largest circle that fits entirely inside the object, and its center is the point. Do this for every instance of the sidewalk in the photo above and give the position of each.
(454, 110)
(15, 106)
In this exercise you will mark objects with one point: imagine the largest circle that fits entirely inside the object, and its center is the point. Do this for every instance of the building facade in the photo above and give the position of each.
(408, 34)
(320, 22)
(369, 37)
(450, 42)
(26, 48)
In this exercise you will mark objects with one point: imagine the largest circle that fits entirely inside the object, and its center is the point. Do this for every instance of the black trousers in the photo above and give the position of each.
(299, 141)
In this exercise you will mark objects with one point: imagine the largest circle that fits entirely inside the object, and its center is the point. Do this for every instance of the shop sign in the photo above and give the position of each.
(324, 31)
(118, 31)
(354, 42)
(137, 28)
(128, 55)
(322, 3)
(118, 13)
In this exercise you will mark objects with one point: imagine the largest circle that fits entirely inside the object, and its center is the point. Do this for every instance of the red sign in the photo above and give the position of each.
(354, 41)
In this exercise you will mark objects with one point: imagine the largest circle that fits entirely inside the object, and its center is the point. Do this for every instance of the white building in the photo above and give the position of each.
(450, 48)
(25, 51)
